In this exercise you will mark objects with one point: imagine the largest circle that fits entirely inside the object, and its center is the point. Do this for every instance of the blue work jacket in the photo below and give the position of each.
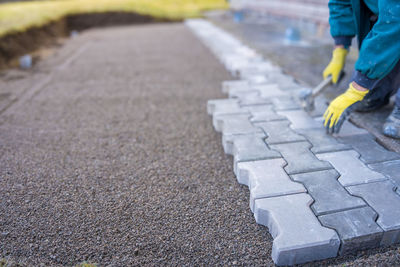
(378, 41)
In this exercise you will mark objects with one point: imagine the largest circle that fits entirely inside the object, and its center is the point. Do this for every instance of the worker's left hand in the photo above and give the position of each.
(341, 107)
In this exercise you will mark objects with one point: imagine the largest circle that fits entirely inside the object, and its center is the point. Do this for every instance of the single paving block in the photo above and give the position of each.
(236, 84)
(255, 79)
(248, 148)
(243, 92)
(382, 198)
(285, 103)
(329, 195)
(279, 132)
(352, 170)
(262, 113)
(286, 82)
(266, 178)
(252, 99)
(234, 124)
(298, 235)
(224, 106)
(246, 72)
(322, 142)
(390, 169)
(270, 90)
(262, 67)
(299, 158)
(300, 119)
(369, 149)
(357, 229)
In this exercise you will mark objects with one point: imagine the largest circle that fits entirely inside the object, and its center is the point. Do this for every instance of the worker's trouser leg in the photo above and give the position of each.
(391, 127)
(382, 91)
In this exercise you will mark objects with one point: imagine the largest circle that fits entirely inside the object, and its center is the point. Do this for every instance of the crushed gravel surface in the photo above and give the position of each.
(115, 161)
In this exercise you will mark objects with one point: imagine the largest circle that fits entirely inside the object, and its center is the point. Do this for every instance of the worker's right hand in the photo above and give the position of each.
(336, 65)
(342, 106)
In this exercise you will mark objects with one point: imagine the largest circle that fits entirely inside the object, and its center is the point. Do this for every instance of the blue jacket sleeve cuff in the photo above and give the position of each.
(343, 40)
(364, 81)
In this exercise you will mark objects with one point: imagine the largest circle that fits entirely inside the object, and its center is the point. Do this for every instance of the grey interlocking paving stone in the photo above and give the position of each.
(247, 72)
(322, 142)
(248, 148)
(391, 169)
(259, 68)
(224, 106)
(370, 150)
(257, 79)
(357, 229)
(266, 178)
(299, 158)
(229, 85)
(329, 195)
(352, 170)
(263, 113)
(234, 124)
(252, 99)
(270, 90)
(259, 94)
(286, 83)
(241, 93)
(300, 119)
(285, 103)
(298, 235)
(382, 198)
(279, 132)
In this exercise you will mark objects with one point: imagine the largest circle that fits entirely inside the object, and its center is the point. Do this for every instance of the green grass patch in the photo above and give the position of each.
(18, 17)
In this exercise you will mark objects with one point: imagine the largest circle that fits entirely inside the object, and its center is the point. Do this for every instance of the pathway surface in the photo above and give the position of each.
(107, 155)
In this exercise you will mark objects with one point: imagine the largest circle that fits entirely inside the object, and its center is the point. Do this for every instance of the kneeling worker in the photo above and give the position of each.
(377, 71)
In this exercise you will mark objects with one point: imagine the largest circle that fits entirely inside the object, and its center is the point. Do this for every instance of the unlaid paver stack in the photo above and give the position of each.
(319, 195)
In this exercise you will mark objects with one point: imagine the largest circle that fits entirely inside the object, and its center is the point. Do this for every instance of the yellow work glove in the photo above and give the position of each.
(341, 107)
(336, 65)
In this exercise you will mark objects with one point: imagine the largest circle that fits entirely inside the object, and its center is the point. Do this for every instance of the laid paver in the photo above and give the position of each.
(357, 229)
(300, 158)
(251, 98)
(279, 132)
(235, 84)
(263, 113)
(369, 149)
(285, 103)
(390, 169)
(298, 235)
(382, 198)
(329, 195)
(322, 142)
(266, 178)
(224, 106)
(270, 90)
(300, 120)
(255, 79)
(248, 148)
(234, 124)
(261, 67)
(352, 170)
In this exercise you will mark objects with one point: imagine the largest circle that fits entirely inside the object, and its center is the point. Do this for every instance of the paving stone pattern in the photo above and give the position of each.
(319, 195)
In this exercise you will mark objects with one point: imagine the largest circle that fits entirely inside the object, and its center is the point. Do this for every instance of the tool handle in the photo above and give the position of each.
(317, 90)
(320, 87)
